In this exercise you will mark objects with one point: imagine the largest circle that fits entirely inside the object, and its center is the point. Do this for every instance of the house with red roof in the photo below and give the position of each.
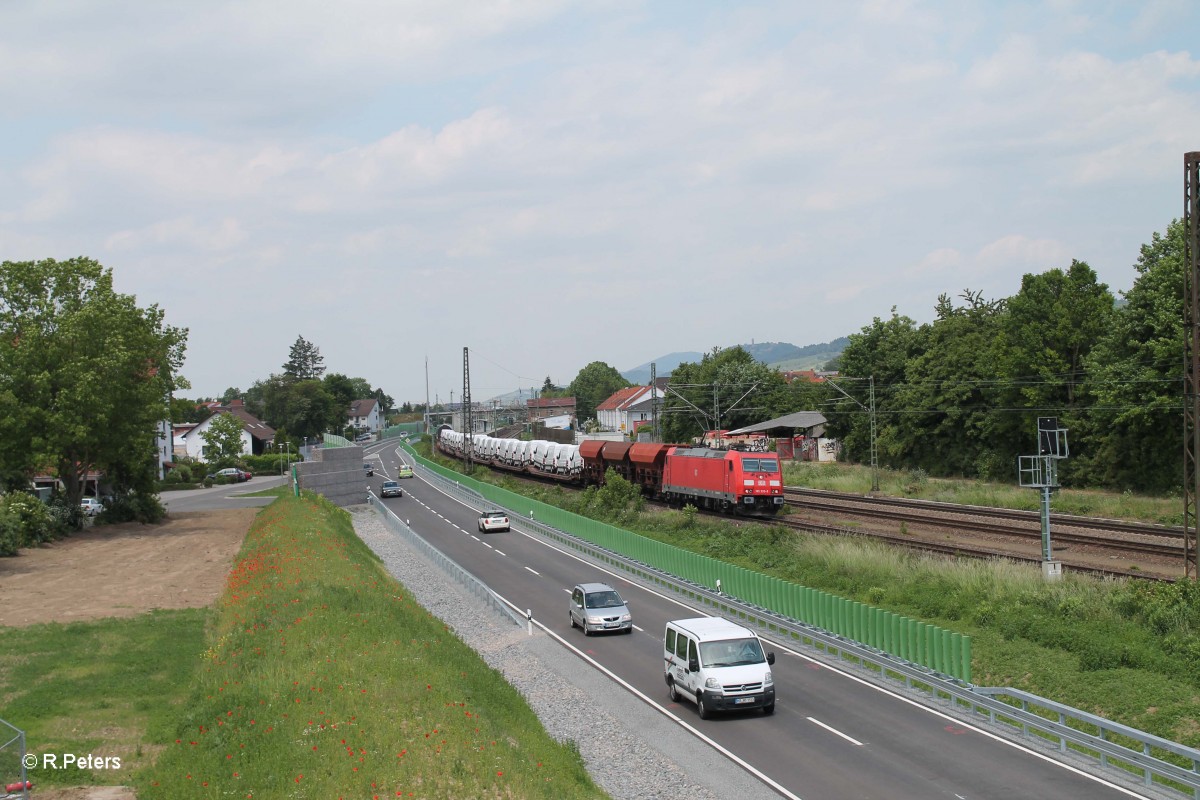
(618, 412)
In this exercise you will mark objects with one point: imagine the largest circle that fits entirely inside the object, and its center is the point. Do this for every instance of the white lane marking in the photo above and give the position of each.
(534, 571)
(501, 552)
(835, 731)
(832, 668)
(666, 712)
(485, 544)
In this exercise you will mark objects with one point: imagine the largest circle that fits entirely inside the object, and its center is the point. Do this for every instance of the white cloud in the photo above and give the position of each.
(598, 158)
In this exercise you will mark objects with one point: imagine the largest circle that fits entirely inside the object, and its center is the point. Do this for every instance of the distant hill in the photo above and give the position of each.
(781, 355)
(640, 376)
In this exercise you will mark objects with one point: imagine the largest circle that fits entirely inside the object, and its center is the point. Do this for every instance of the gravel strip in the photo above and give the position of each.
(631, 750)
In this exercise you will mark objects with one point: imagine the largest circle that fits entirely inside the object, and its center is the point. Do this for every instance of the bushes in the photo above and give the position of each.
(133, 507)
(26, 521)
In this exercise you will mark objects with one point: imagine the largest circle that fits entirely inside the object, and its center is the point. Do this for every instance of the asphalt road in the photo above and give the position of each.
(833, 734)
(233, 495)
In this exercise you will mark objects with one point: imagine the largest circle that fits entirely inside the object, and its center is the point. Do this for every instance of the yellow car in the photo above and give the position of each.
(404, 471)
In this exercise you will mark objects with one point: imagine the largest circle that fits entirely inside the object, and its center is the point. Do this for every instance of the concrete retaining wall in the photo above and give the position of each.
(337, 473)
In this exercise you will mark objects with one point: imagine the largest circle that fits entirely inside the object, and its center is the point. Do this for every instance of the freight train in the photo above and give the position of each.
(730, 481)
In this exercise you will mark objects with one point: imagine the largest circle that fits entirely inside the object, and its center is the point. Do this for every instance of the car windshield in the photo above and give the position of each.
(608, 599)
(390, 484)
(731, 652)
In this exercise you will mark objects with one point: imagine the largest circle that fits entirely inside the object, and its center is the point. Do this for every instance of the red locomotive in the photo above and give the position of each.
(718, 480)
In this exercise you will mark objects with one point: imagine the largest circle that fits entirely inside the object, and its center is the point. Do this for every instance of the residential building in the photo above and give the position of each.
(256, 434)
(365, 414)
(627, 409)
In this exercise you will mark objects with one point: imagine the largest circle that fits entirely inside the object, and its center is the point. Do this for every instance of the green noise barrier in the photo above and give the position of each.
(940, 650)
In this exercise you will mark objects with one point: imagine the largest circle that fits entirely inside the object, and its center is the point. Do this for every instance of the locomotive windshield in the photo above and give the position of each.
(760, 465)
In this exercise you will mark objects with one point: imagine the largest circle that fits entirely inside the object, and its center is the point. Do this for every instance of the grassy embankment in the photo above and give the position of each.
(1125, 649)
(322, 678)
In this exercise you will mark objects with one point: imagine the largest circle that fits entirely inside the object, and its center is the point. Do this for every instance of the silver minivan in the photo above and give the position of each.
(599, 607)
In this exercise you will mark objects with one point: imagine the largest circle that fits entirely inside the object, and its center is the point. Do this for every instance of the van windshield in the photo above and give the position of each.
(731, 653)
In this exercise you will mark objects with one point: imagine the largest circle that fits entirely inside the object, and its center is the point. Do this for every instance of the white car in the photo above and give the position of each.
(493, 521)
(90, 506)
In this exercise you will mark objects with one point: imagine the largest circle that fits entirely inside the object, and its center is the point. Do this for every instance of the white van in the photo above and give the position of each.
(717, 665)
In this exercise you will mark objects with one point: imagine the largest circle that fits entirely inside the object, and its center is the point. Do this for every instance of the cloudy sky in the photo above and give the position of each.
(554, 183)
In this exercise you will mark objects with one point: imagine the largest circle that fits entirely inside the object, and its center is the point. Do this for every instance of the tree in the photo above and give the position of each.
(85, 376)
(304, 360)
(345, 390)
(187, 411)
(223, 443)
(728, 388)
(880, 351)
(306, 408)
(1134, 378)
(594, 384)
(950, 389)
(1049, 330)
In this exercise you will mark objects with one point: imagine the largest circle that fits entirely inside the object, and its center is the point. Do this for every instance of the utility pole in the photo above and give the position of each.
(428, 432)
(871, 412)
(657, 433)
(468, 421)
(1191, 322)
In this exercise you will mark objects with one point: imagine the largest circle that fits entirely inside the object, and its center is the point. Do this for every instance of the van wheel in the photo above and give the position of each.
(673, 692)
(768, 710)
(702, 707)
(571, 617)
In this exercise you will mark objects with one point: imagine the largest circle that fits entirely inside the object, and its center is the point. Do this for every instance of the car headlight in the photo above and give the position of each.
(769, 680)
(626, 617)
(595, 620)
(712, 683)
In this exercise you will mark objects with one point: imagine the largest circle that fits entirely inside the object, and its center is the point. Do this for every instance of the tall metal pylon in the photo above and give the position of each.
(1191, 320)
(468, 420)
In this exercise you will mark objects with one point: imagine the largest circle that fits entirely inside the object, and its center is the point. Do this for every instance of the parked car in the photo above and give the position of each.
(404, 471)
(493, 521)
(231, 474)
(90, 506)
(599, 607)
(246, 475)
(391, 489)
(363, 437)
(368, 468)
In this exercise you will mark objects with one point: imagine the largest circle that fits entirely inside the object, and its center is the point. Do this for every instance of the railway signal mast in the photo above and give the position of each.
(1041, 472)
(1191, 346)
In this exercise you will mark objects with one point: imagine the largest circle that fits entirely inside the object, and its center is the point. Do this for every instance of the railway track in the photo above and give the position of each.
(1084, 544)
(1079, 542)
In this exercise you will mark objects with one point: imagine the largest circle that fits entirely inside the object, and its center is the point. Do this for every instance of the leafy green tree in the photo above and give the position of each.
(1134, 379)
(306, 408)
(85, 375)
(345, 390)
(223, 444)
(950, 389)
(880, 351)
(727, 389)
(594, 384)
(1049, 329)
(230, 394)
(304, 360)
(184, 410)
